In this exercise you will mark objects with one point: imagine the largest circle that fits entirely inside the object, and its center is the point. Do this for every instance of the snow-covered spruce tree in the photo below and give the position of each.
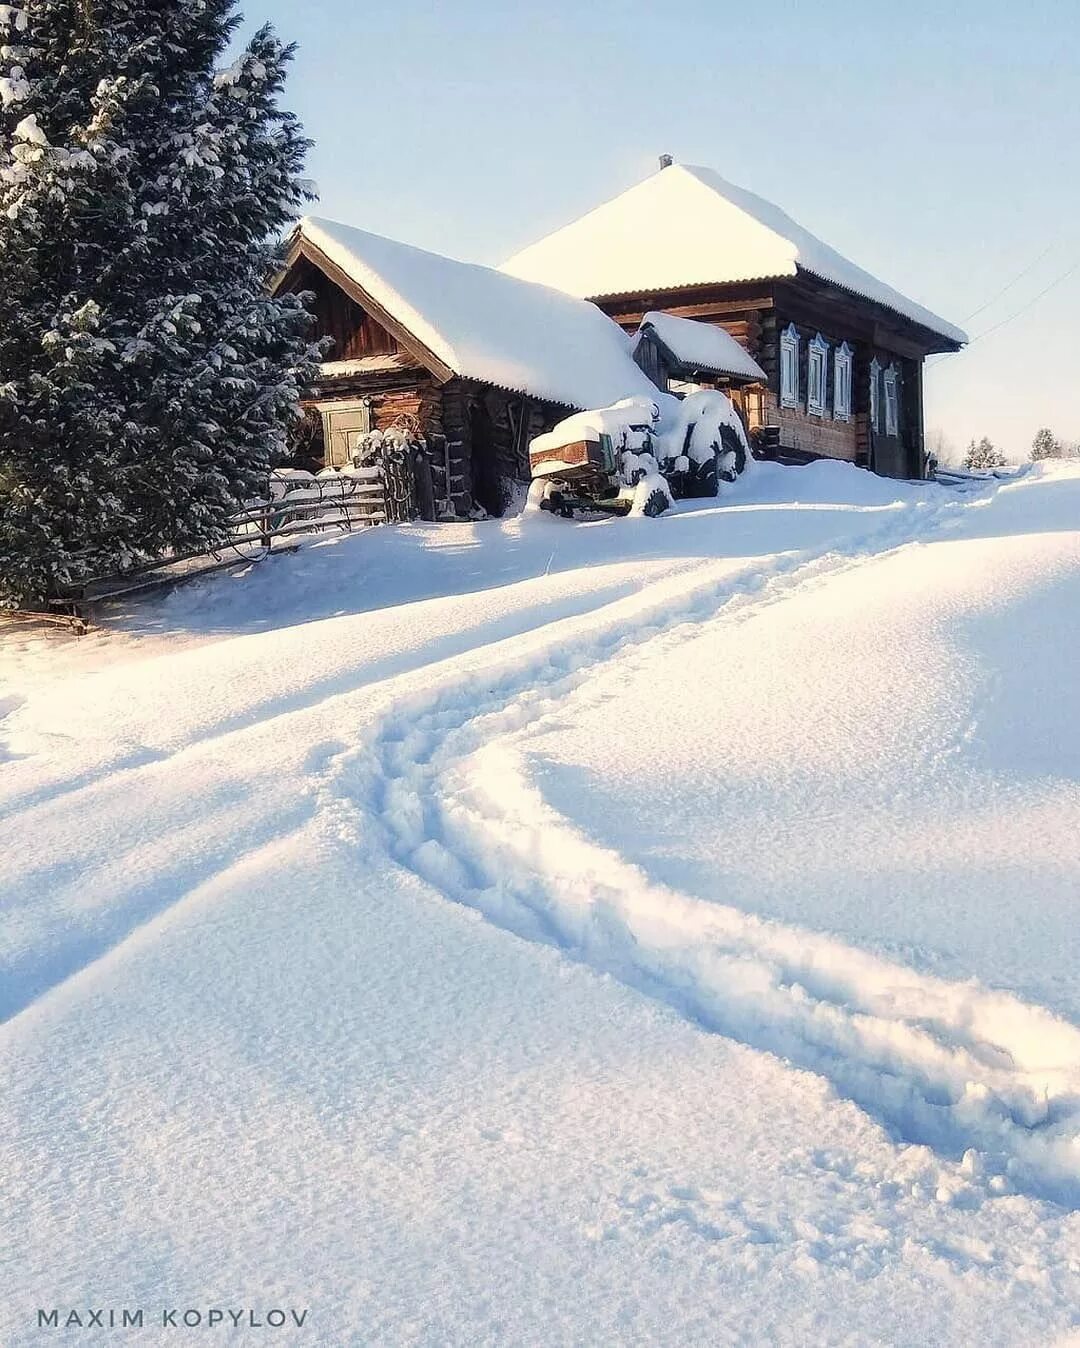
(147, 378)
(1046, 445)
(983, 455)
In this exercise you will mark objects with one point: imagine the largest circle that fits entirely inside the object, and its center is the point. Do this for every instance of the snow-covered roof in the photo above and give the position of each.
(483, 324)
(688, 226)
(702, 346)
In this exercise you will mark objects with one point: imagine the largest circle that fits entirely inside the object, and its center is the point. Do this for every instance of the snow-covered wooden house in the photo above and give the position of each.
(841, 352)
(473, 361)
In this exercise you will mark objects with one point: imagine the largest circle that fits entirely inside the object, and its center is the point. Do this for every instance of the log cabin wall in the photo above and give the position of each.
(756, 313)
(872, 333)
(812, 433)
(745, 312)
(415, 401)
(489, 430)
(898, 455)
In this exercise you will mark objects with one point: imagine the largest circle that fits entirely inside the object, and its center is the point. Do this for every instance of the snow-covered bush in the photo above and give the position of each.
(706, 428)
(372, 447)
(1046, 445)
(984, 455)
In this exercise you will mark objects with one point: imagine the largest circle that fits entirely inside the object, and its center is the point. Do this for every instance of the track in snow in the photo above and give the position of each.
(972, 1073)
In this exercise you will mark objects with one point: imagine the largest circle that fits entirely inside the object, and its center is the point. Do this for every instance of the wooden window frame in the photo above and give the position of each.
(817, 377)
(892, 399)
(843, 381)
(875, 395)
(789, 359)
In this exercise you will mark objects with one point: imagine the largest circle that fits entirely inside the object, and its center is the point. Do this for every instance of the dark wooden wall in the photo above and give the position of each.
(756, 313)
(355, 333)
(488, 430)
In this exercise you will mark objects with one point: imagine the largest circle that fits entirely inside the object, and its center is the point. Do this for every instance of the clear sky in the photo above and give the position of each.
(936, 144)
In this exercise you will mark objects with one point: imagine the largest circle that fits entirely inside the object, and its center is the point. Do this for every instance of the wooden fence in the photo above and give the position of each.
(293, 504)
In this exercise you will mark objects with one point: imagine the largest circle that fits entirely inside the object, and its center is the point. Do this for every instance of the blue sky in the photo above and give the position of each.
(935, 144)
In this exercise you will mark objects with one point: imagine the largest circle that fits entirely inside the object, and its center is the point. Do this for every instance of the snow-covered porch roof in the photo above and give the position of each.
(701, 346)
(458, 318)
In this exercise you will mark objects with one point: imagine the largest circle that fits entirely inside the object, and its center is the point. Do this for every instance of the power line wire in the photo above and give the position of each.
(1009, 284)
(1058, 280)
(1045, 291)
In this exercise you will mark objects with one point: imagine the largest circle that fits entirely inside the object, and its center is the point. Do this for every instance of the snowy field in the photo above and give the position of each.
(543, 933)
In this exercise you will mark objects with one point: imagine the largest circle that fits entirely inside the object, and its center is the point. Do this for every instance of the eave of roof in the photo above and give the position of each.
(742, 367)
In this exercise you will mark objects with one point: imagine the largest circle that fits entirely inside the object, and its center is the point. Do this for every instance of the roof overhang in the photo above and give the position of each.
(301, 248)
(691, 367)
(932, 341)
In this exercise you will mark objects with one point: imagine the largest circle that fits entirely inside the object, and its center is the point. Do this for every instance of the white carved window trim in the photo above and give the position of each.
(789, 367)
(817, 376)
(843, 363)
(892, 400)
(875, 395)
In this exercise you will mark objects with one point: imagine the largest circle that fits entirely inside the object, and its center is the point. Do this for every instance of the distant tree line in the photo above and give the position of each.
(983, 454)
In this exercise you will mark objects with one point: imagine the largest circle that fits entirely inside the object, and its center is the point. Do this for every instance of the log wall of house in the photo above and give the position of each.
(745, 312)
(815, 306)
(488, 431)
(756, 313)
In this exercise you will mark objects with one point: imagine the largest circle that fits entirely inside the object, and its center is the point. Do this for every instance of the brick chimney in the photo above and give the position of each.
(666, 161)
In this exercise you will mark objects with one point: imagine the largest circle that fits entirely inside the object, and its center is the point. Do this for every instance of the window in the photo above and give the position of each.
(817, 376)
(875, 399)
(842, 364)
(892, 401)
(789, 367)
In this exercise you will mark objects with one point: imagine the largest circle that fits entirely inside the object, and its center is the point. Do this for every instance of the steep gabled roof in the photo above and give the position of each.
(687, 226)
(461, 319)
(701, 346)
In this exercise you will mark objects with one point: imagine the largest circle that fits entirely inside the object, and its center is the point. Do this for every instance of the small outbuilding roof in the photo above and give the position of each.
(687, 226)
(701, 346)
(462, 319)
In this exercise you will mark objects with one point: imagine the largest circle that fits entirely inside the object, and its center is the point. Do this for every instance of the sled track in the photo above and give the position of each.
(951, 1065)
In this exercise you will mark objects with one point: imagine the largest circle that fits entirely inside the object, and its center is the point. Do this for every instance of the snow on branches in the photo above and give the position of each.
(147, 378)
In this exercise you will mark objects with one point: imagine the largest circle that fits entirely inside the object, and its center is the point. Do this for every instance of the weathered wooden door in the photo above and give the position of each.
(486, 487)
(344, 425)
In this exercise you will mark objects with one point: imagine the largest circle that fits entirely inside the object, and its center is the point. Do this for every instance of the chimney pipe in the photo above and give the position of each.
(666, 161)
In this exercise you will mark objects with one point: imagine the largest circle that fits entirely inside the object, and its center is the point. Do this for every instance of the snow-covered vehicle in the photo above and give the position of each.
(638, 455)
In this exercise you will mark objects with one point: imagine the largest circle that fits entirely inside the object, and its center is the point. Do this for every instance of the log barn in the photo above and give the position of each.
(471, 361)
(841, 353)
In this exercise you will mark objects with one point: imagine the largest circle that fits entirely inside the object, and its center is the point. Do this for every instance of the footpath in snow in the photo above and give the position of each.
(562, 933)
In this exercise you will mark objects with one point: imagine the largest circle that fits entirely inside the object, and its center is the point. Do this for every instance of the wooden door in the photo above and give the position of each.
(344, 425)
